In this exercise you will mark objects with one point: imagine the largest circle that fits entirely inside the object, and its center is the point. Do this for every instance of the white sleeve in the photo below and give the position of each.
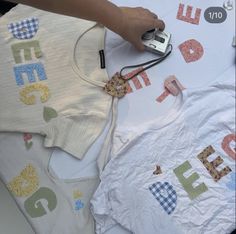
(133, 207)
(102, 211)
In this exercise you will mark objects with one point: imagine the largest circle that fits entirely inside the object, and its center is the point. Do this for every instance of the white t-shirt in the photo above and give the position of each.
(194, 192)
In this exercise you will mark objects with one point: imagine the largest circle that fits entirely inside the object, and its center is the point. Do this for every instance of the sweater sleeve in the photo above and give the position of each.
(75, 134)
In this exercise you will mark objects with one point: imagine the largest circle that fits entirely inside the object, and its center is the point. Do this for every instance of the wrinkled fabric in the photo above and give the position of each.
(201, 117)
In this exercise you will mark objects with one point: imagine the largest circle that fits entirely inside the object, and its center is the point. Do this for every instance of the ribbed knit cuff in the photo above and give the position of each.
(75, 134)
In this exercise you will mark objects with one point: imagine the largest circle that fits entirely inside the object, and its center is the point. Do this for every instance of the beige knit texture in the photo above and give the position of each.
(70, 107)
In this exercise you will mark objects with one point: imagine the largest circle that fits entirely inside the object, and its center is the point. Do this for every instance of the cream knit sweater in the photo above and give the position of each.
(51, 82)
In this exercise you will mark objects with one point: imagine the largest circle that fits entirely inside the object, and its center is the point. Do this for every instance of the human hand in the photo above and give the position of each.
(135, 22)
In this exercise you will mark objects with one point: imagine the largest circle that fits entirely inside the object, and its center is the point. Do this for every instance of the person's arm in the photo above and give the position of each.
(130, 23)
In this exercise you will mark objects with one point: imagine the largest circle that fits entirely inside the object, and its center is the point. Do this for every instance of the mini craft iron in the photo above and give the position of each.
(156, 41)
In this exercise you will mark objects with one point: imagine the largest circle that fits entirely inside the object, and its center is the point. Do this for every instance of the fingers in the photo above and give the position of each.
(154, 23)
(148, 15)
(151, 21)
(137, 21)
(139, 46)
(159, 24)
(151, 14)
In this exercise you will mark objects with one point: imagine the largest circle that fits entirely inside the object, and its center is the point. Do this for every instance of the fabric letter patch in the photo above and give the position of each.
(172, 86)
(135, 79)
(26, 183)
(29, 70)
(31, 99)
(26, 47)
(191, 50)
(34, 205)
(226, 145)
(211, 166)
(187, 183)
(188, 17)
(24, 29)
(165, 195)
(163, 96)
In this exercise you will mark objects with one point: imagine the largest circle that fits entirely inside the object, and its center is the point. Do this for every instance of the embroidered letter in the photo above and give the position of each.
(226, 145)
(24, 29)
(211, 166)
(188, 18)
(29, 70)
(34, 204)
(165, 195)
(191, 50)
(187, 183)
(26, 48)
(28, 99)
(136, 81)
(26, 183)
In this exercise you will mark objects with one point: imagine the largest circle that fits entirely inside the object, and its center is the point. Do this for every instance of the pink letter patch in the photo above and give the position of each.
(191, 50)
(188, 17)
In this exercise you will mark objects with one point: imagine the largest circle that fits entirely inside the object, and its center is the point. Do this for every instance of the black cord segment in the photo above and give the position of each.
(151, 62)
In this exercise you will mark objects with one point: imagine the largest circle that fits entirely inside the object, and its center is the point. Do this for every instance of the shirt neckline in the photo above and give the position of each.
(76, 67)
(54, 177)
(165, 119)
(181, 101)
